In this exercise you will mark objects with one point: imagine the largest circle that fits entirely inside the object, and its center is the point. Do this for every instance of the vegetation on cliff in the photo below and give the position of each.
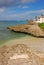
(41, 25)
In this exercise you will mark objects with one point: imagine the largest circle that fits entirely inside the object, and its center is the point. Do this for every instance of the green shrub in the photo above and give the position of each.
(41, 25)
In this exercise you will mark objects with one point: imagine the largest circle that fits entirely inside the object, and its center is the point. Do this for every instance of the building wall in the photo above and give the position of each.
(43, 19)
(39, 20)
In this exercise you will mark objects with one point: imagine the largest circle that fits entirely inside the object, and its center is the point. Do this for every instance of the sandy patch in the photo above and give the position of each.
(16, 56)
(33, 42)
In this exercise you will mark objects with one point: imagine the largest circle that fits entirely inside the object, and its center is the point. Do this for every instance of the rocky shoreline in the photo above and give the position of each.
(31, 28)
(20, 54)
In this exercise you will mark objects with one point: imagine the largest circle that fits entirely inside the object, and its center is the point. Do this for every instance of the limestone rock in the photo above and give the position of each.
(20, 54)
(34, 30)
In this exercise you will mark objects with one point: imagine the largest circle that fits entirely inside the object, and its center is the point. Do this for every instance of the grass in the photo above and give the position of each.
(41, 25)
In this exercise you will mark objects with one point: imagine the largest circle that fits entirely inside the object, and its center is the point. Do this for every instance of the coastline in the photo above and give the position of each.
(32, 42)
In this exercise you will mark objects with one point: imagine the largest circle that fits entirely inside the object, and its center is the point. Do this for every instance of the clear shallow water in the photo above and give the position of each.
(6, 34)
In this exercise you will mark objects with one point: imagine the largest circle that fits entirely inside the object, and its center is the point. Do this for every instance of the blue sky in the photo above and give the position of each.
(20, 9)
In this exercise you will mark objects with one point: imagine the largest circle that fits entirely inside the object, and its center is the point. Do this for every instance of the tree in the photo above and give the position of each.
(36, 18)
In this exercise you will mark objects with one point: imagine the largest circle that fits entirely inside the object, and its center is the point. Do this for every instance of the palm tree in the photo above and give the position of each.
(42, 15)
(36, 18)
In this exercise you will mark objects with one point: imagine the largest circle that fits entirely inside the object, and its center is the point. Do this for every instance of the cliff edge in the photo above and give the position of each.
(31, 28)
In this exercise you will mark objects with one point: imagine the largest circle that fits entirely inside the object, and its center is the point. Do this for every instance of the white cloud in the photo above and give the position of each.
(22, 6)
(25, 1)
(26, 15)
(19, 6)
(33, 11)
(14, 2)
(25, 7)
(2, 10)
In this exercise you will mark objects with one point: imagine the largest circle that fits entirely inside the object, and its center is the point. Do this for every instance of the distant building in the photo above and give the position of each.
(39, 19)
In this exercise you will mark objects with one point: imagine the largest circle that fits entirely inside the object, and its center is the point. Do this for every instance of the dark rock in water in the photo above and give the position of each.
(34, 30)
(20, 54)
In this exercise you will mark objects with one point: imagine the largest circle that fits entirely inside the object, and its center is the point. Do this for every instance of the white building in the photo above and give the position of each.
(39, 19)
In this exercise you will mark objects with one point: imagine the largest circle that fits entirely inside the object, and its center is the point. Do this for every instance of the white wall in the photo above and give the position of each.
(39, 21)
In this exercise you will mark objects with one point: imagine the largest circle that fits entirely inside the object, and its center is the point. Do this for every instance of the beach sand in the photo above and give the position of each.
(32, 42)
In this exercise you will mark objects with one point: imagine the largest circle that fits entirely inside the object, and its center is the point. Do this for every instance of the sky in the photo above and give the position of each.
(20, 9)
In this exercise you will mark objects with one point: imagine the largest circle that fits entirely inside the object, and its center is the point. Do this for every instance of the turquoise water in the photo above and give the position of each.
(6, 34)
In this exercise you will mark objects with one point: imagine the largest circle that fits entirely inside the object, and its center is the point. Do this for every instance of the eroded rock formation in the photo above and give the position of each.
(32, 29)
(20, 54)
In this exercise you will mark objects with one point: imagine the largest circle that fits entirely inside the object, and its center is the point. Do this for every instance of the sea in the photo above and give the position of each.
(6, 34)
